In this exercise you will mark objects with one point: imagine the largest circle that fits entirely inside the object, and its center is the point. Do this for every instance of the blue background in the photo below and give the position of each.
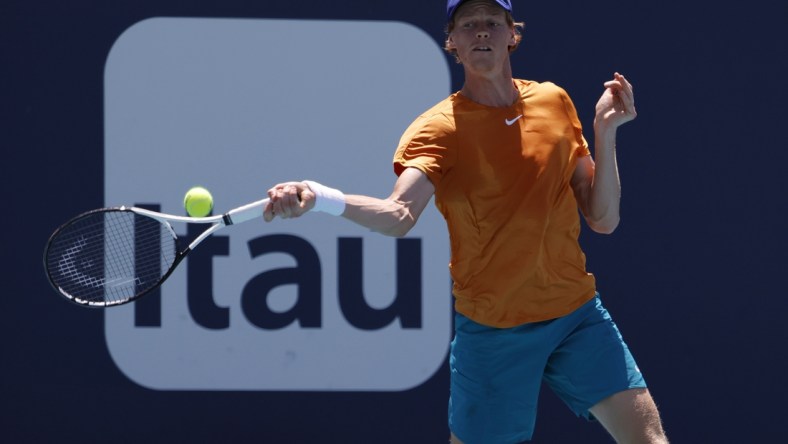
(694, 276)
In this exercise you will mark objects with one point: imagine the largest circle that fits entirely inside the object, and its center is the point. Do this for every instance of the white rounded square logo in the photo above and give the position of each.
(314, 303)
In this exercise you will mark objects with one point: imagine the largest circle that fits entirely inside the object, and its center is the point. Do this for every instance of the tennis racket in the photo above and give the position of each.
(112, 256)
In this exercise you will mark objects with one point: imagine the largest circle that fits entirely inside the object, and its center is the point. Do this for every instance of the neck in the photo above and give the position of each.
(496, 91)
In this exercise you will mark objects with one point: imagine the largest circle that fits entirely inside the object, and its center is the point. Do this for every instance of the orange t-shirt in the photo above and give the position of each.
(502, 182)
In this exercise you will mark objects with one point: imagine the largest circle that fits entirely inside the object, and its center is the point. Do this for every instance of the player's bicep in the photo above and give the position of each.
(582, 179)
(413, 189)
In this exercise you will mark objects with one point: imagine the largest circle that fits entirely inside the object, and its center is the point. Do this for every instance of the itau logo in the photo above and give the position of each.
(314, 303)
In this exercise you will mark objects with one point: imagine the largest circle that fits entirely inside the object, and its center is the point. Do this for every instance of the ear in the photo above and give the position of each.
(450, 43)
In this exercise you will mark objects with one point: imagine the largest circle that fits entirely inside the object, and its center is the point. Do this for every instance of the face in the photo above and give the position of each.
(481, 35)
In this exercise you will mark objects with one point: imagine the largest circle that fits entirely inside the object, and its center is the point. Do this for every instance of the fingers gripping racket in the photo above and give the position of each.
(112, 256)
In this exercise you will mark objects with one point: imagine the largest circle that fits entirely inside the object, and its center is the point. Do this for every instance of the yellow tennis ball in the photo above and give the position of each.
(198, 202)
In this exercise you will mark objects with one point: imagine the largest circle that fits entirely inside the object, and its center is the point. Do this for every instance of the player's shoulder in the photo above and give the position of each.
(443, 108)
(439, 116)
(544, 89)
(435, 125)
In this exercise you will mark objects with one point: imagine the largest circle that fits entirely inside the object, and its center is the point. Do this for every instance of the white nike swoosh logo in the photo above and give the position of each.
(511, 122)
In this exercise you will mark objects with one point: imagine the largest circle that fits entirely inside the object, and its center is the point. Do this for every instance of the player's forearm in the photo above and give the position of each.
(605, 196)
(386, 216)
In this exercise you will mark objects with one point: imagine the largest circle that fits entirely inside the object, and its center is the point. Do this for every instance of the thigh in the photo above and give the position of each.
(592, 362)
(631, 416)
(495, 380)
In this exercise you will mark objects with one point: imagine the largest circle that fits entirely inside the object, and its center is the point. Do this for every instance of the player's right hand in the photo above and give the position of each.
(288, 199)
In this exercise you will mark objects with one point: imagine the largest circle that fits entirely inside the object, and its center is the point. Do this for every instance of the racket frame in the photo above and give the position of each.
(235, 216)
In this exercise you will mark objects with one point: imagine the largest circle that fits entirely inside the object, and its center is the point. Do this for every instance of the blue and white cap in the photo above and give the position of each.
(452, 5)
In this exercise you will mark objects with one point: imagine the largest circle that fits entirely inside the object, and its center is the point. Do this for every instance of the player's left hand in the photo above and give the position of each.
(617, 104)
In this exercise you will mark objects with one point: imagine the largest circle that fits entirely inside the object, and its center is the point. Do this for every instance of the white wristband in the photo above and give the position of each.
(328, 200)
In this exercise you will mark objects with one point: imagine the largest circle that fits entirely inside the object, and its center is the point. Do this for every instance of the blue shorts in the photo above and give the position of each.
(496, 373)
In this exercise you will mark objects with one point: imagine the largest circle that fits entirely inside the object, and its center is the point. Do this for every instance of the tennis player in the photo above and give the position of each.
(509, 167)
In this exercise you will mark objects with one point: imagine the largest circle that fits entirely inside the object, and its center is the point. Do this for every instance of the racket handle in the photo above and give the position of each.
(245, 213)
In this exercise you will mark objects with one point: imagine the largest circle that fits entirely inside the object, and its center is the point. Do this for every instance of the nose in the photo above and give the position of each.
(482, 35)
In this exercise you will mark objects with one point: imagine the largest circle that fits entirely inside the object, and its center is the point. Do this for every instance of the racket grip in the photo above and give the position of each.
(245, 213)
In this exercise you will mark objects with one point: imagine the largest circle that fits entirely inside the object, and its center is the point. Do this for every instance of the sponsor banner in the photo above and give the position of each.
(315, 303)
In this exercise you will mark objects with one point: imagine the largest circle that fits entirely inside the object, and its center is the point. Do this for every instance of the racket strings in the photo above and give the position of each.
(110, 257)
